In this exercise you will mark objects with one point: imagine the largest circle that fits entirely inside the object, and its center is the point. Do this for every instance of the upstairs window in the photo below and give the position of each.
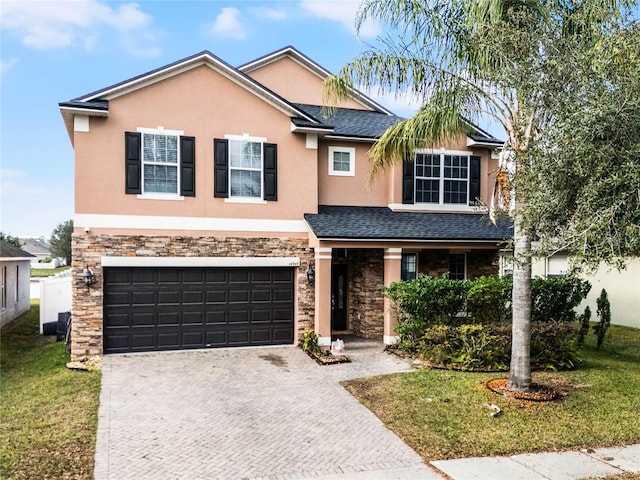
(441, 178)
(160, 160)
(445, 178)
(159, 163)
(245, 169)
(342, 161)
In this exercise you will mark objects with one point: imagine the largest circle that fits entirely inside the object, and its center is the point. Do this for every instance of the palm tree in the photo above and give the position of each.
(473, 60)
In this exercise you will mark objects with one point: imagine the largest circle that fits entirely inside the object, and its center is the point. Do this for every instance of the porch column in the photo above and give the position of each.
(322, 325)
(392, 273)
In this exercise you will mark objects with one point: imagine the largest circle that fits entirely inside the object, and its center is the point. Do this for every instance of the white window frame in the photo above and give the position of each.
(160, 195)
(351, 151)
(441, 179)
(241, 199)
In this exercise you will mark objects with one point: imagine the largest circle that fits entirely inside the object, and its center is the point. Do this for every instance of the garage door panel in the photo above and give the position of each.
(193, 296)
(168, 318)
(193, 318)
(142, 276)
(238, 337)
(238, 316)
(167, 275)
(142, 319)
(239, 296)
(117, 298)
(168, 297)
(283, 275)
(238, 275)
(217, 317)
(143, 298)
(117, 277)
(178, 308)
(258, 296)
(282, 295)
(216, 338)
(193, 276)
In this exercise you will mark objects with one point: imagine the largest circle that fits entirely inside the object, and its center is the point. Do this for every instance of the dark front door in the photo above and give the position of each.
(338, 297)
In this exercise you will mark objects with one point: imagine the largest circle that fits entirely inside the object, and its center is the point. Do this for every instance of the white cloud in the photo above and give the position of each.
(53, 24)
(341, 11)
(228, 24)
(404, 104)
(7, 64)
(267, 13)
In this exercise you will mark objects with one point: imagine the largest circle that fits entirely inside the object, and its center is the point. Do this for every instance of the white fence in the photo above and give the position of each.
(55, 297)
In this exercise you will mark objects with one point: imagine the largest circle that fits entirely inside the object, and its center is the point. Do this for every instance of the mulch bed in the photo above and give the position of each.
(538, 393)
(326, 358)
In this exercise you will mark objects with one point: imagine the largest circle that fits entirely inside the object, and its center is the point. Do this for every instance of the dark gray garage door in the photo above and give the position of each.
(149, 309)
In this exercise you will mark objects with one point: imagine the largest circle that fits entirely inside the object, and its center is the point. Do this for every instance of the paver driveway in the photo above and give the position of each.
(258, 413)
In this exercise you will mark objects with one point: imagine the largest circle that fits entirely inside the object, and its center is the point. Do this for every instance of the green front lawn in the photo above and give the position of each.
(46, 272)
(442, 414)
(48, 413)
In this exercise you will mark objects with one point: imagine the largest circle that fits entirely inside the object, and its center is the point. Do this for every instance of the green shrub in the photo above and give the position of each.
(433, 300)
(603, 310)
(310, 342)
(554, 346)
(585, 318)
(489, 300)
(555, 299)
(45, 260)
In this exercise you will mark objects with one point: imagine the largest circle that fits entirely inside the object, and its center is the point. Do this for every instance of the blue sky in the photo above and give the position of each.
(53, 51)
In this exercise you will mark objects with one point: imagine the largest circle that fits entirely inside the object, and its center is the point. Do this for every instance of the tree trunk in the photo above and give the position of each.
(520, 369)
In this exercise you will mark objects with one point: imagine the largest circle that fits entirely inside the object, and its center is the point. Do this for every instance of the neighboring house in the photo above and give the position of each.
(15, 271)
(220, 206)
(38, 249)
(623, 287)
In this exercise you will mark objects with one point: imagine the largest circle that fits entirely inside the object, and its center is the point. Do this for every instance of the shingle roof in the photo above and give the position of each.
(348, 122)
(10, 251)
(381, 223)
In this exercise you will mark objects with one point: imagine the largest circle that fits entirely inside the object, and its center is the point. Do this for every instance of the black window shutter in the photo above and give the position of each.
(270, 171)
(408, 176)
(474, 179)
(132, 167)
(188, 166)
(220, 168)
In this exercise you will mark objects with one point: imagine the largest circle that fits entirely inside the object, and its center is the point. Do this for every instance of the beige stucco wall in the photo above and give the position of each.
(17, 276)
(297, 84)
(205, 105)
(623, 290)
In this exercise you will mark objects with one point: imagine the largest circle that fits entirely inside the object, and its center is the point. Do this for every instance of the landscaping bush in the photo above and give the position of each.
(489, 300)
(603, 310)
(466, 324)
(555, 299)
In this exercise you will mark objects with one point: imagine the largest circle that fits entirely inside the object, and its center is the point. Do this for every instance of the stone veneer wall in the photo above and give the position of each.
(366, 302)
(435, 263)
(88, 250)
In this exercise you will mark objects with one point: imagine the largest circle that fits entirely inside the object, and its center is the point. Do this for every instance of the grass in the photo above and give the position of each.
(442, 414)
(46, 272)
(48, 413)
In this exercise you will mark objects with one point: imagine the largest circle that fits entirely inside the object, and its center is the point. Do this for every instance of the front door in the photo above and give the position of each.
(338, 298)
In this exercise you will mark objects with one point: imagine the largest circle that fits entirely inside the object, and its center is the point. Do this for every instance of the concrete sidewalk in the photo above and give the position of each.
(575, 465)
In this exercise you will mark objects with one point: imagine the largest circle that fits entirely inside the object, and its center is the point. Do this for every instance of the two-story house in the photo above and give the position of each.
(220, 206)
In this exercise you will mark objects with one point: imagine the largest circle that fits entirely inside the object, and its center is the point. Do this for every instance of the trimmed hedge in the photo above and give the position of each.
(466, 324)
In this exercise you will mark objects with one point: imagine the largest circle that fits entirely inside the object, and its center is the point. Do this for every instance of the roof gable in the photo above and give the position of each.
(11, 252)
(316, 69)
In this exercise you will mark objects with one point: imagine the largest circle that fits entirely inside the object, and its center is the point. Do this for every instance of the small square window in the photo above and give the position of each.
(342, 161)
